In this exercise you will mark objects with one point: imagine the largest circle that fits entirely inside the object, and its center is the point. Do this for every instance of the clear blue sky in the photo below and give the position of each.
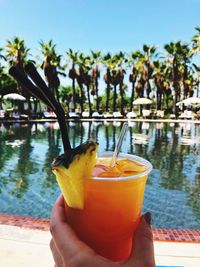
(108, 25)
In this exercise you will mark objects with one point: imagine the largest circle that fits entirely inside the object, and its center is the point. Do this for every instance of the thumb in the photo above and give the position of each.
(143, 250)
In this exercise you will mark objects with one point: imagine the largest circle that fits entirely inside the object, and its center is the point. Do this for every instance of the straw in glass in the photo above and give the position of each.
(119, 144)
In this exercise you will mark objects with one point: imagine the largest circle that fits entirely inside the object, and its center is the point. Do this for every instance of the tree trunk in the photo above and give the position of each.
(115, 98)
(82, 97)
(132, 95)
(175, 108)
(176, 86)
(35, 106)
(167, 103)
(148, 89)
(97, 94)
(122, 98)
(107, 96)
(74, 94)
(159, 99)
(89, 102)
(29, 104)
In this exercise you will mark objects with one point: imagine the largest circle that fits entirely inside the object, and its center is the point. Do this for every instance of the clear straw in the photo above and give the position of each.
(119, 144)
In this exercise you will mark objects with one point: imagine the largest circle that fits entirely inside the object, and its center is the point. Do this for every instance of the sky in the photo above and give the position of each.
(106, 25)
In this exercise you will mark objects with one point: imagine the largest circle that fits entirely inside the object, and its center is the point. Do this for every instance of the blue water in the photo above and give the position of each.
(28, 187)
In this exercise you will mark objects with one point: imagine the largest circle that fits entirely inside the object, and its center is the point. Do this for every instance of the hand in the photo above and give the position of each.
(69, 251)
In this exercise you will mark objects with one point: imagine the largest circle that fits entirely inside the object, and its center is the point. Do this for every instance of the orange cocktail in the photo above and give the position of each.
(113, 200)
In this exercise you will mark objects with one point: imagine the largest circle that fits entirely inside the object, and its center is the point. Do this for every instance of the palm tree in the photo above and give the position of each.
(197, 79)
(115, 80)
(195, 50)
(116, 77)
(16, 53)
(121, 59)
(1, 55)
(7, 84)
(148, 56)
(95, 75)
(50, 66)
(134, 74)
(178, 58)
(162, 82)
(196, 42)
(145, 66)
(84, 78)
(73, 74)
(107, 60)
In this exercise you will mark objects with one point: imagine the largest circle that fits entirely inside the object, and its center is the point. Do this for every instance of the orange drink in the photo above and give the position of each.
(113, 200)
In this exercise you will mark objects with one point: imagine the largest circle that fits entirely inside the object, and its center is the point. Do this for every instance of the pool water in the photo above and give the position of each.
(28, 186)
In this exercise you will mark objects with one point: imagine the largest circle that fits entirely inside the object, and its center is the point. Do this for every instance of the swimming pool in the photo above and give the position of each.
(28, 187)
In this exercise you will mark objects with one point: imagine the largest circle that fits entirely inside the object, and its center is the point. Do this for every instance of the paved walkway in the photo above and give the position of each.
(20, 247)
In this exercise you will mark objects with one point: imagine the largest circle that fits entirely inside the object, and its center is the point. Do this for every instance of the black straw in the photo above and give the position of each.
(44, 94)
(30, 87)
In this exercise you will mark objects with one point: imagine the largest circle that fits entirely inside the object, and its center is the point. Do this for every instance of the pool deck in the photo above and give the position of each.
(25, 240)
(195, 121)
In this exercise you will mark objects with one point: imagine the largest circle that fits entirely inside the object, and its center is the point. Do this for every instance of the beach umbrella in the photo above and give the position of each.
(142, 101)
(14, 96)
(189, 101)
(179, 103)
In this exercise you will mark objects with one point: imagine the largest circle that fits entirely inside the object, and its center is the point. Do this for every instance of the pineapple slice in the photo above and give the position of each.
(71, 169)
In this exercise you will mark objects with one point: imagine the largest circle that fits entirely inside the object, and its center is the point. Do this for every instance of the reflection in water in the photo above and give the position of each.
(28, 187)
(52, 151)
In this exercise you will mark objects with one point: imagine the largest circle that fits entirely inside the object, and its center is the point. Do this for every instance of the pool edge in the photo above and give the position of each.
(165, 235)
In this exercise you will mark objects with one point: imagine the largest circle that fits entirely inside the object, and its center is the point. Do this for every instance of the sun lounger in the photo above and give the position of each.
(182, 116)
(73, 115)
(160, 114)
(85, 114)
(24, 117)
(172, 116)
(96, 115)
(117, 114)
(131, 115)
(145, 113)
(189, 114)
(107, 115)
(15, 115)
(49, 115)
(33, 116)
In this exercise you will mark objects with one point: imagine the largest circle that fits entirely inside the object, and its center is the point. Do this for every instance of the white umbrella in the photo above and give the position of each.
(189, 101)
(179, 103)
(142, 101)
(14, 97)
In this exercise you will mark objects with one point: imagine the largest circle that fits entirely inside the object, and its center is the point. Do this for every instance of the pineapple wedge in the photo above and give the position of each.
(71, 169)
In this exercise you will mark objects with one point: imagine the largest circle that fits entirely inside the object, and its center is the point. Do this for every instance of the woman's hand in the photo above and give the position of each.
(69, 251)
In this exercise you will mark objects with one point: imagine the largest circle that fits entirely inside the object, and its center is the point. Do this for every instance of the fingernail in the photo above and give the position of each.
(148, 218)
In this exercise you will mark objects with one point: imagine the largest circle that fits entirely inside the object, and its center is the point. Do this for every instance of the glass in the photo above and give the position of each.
(112, 209)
